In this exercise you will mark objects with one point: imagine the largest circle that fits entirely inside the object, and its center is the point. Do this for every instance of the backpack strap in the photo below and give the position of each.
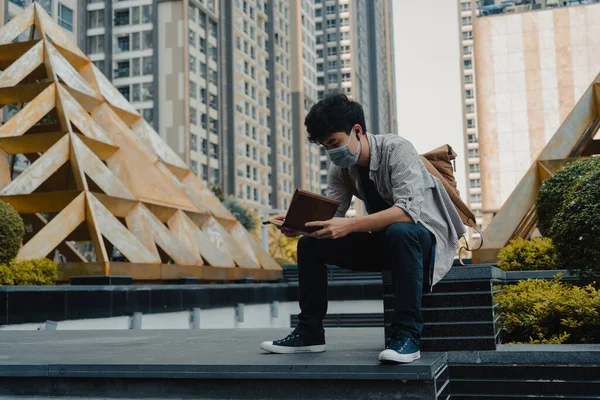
(348, 182)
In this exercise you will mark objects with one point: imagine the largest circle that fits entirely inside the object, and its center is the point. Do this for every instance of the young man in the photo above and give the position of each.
(412, 228)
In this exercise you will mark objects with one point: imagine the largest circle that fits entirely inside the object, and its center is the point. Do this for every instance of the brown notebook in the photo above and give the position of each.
(307, 207)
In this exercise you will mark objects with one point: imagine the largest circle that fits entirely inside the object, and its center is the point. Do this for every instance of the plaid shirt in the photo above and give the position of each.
(403, 181)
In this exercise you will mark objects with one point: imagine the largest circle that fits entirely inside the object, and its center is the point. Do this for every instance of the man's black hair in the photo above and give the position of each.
(335, 112)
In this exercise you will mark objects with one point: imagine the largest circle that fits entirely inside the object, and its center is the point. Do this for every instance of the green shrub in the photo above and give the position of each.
(12, 230)
(554, 190)
(576, 229)
(247, 218)
(549, 311)
(29, 272)
(528, 255)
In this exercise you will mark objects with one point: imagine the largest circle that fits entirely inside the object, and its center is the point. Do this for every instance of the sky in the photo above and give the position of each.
(428, 85)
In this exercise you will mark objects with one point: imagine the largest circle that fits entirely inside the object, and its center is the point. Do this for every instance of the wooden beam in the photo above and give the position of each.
(55, 231)
(67, 72)
(5, 177)
(49, 202)
(98, 171)
(30, 114)
(67, 249)
(224, 242)
(119, 236)
(23, 94)
(238, 234)
(16, 26)
(168, 241)
(94, 223)
(139, 227)
(40, 170)
(592, 148)
(264, 258)
(12, 51)
(27, 144)
(75, 60)
(102, 150)
(177, 225)
(211, 254)
(26, 64)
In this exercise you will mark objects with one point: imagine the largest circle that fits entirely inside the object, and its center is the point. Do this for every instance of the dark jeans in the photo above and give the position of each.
(404, 248)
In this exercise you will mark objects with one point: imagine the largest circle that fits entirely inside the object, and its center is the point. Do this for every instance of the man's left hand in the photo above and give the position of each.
(334, 228)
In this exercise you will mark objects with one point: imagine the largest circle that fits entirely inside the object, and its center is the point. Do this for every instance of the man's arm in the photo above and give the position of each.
(408, 191)
(337, 190)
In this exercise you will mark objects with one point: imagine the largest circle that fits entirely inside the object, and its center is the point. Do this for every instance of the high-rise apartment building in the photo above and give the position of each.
(120, 39)
(355, 55)
(468, 11)
(307, 174)
(257, 130)
(188, 76)
(533, 63)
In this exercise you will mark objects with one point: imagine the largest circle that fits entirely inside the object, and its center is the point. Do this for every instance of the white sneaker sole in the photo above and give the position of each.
(271, 348)
(392, 356)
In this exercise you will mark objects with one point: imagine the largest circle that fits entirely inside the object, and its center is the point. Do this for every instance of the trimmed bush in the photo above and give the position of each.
(246, 217)
(12, 230)
(549, 311)
(29, 272)
(555, 189)
(576, 229)
(528, 255)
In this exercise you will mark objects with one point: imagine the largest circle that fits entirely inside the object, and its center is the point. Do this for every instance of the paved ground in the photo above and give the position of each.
(351, 354)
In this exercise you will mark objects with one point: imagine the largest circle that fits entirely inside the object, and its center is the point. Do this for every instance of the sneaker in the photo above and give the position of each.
(400, 350)
(296, 342)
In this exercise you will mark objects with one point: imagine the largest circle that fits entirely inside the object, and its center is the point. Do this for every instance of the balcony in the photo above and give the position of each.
(494, 7)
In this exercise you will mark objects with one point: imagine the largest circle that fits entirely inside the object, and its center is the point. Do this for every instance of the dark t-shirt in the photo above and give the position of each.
(373, 201)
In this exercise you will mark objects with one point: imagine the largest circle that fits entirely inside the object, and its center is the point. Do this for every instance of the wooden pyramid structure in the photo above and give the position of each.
(575, 138)
(100, 173)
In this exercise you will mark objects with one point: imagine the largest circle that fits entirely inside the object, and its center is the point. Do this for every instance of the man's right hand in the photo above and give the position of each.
(291, 233)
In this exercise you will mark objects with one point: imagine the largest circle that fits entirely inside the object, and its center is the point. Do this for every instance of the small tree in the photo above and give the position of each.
(218, 191)
(576, 228)
(12, 231)
(553, 191)
(247, 218)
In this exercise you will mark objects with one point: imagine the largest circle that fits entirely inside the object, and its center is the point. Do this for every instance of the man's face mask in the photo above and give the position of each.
(342, 156)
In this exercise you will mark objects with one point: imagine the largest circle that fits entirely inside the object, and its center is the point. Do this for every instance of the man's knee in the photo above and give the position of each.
(401, 231)
(306, 243)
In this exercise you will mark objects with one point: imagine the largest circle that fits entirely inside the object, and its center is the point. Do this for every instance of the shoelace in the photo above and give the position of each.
(394, 344)
(292, 335)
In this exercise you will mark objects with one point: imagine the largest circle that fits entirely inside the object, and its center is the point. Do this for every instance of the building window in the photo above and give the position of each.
(96, 44)
(474, 168)
(124, 90)
(467, 21)
(96, 19)
(470, 123)
(148, 114)
(212, 28)
(475, 198)
(192, 12)
(46, 5)
(472, 138)
(465, 6)
(193, 116)
(202, 20)
(468, 79)
(147, 14)
(213, 101)
(147, 39)
(122, 70)
(193, 142)
(148, 65)
(204, 172)
(215, 176)
(192, 36)
(192, 64)
(135, 41)
(203, 45)
(469, 93)
(122, 17)
(135, 92)
(468, 35)
(193, 90)
(203, 95)
(123, 42)
(467, 50)
(475, 183)
(473, 153)
(468, 64)
(470, 108)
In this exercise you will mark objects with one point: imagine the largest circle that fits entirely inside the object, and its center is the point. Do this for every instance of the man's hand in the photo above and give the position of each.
(286, 231)
(335, 228)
